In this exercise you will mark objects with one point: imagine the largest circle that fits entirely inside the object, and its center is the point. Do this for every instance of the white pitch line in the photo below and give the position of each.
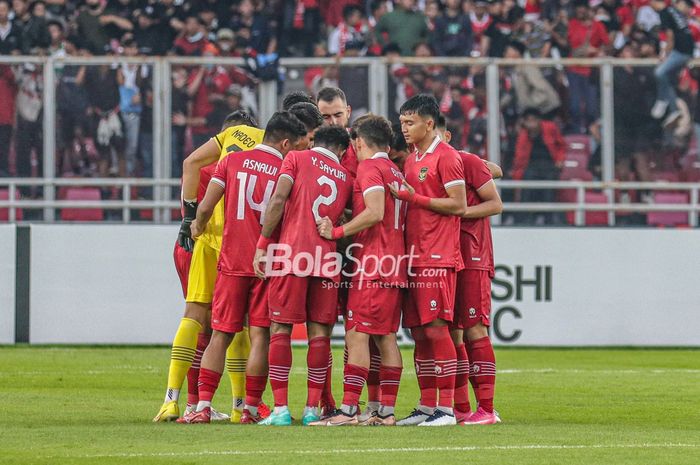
(388, 450)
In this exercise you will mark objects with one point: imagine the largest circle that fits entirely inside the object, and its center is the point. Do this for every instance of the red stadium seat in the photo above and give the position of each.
(596, 218)
(592, 218)
(5, 212)
(81, 214)
(668, 218)
(665, 176)
(578, 145)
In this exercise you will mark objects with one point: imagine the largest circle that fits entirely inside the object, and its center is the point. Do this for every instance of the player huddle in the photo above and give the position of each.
(309, 219)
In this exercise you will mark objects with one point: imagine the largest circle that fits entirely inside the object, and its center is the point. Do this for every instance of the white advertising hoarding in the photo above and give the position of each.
(553, 287)
(588, 287)
(104, 284)
(7, 283)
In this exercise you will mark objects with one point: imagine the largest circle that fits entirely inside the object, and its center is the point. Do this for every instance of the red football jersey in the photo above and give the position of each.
(350, 162)
(321, 188)
(433, 237)
(475, 240)
(249, 180)
(384, 239)
(204, 178)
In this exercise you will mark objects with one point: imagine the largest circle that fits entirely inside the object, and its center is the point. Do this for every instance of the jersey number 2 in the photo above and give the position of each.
(246, 188)
(324, 199)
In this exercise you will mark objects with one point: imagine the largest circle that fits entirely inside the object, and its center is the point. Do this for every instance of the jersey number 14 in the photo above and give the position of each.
(246, 187)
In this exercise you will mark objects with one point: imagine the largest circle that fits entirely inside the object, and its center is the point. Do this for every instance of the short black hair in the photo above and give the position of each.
(441, 122)
(129, 42)
(54, 22)
(424, 105)
(284, 125)
(376, 131)
(530, 111)
(398, 142)
(349, 10)
(333, 138)
(308, 114)
(296, 96)
(391, 48)
(328, 94)
(237, 117)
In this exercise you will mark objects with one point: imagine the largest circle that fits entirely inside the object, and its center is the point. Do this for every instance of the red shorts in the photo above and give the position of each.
(473, 303)
(182, 259)
(431, 295)
(298, 299)
(374, 308)
(236, 296)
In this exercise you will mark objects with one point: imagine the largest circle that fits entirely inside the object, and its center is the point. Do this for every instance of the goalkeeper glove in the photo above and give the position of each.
(184, 236)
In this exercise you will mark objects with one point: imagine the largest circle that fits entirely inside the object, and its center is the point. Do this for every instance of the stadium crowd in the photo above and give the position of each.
(104, 113)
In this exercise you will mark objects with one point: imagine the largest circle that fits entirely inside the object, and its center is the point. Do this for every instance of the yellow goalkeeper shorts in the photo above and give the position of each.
(202, 276)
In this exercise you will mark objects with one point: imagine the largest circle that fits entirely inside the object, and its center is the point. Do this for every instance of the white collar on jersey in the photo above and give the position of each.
(380, 155)
(431, 149)
(271, 150)
(326, 152)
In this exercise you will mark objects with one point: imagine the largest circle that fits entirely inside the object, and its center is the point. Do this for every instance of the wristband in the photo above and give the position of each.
(190, 208)
(404, 195)
(337, 233)
(263, 242)
(421, 200)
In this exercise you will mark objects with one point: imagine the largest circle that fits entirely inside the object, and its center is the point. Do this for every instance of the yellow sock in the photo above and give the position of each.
(181, 356)
(236, 359)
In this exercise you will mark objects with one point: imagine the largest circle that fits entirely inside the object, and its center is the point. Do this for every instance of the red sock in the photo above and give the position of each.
(445, 363)
(353, 382)
(193, 372)
(280, 360)
(390, 379)
(317, 365)
(483, 371)
(254, 388)
(462, 380)
(327, 394)
(425, 368)
(208, 382)
(375, 361)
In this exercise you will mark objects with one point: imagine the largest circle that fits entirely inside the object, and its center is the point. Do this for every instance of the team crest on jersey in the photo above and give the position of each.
(423, 174)
(472, 312)
(433, 305)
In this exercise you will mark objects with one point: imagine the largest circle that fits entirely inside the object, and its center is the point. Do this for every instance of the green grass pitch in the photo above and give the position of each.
(94, 406)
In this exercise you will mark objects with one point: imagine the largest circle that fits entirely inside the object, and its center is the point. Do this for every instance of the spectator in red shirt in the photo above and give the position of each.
(539, 155)
(587, 38)
(8, 90)
(333, 12)
(193, 40)
(206, 86)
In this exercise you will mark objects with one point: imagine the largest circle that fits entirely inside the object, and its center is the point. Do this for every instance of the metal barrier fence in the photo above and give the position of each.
(378, 95)
(162, 209)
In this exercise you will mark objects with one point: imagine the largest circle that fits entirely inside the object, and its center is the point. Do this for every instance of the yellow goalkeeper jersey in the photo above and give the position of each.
(233, 139)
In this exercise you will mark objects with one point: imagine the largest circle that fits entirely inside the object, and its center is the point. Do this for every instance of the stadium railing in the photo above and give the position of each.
(377, 89)
(162, 209)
